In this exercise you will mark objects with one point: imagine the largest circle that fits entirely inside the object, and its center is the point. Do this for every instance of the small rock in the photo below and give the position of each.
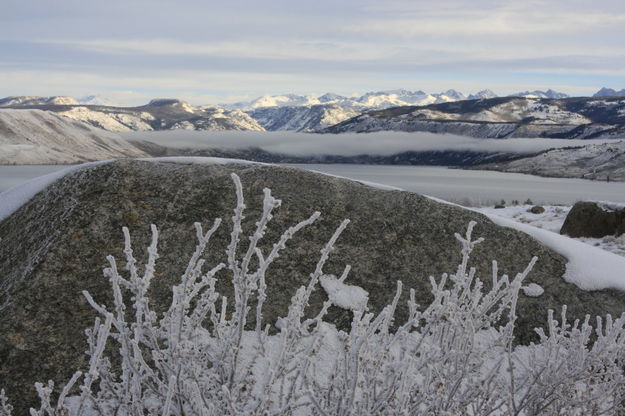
(536, 209)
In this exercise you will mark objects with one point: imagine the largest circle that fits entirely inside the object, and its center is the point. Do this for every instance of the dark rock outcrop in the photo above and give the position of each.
(589, 219)
(54, 247)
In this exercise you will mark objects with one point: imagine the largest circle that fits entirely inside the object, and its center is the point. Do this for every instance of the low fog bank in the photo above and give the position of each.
(346, 144)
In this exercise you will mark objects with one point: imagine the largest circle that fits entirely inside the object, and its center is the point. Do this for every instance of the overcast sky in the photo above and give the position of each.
(208, 51)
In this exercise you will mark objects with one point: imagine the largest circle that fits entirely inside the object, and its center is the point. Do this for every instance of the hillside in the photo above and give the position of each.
(594, 161)
(43, 137)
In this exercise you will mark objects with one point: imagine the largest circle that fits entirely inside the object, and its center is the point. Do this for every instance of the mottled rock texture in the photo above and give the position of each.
(55, 246)
(588, 219)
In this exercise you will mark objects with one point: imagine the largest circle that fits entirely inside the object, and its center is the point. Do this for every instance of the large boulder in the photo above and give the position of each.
(592, 219)
(55, 245)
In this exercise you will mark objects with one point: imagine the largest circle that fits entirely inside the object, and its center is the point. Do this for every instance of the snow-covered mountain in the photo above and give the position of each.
(286, 100)
(96, 100)
(303, 118)
(368, 101)
(500, 117)
(594, 161)
(305, 113)
(159, 114)
(481, 95)
(540, 94)
(43, 137)
(609, 92)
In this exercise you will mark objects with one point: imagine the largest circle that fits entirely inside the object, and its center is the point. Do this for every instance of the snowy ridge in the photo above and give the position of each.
(159, 114)
(43, 137)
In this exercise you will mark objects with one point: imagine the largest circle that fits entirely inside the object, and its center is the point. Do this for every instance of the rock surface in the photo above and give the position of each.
(589, 219)
(55, 246)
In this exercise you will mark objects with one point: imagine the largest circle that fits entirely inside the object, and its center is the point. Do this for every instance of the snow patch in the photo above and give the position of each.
(344, 296)
(533, 290)
(588, 267)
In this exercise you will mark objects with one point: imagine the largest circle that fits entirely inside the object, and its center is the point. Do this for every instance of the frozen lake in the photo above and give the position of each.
(14, 175)
(478, 187)
(461, 186)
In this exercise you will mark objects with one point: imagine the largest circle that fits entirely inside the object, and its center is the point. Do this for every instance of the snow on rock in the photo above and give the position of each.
(344, 296)
(588, 267)
(610, 206)
(12, 199)
(533, 290)
(200, 160)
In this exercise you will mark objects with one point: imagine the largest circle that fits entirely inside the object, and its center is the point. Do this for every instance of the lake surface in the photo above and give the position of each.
(467, 187)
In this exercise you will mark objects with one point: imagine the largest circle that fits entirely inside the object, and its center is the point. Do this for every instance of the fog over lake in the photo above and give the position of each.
(468, 187)
(346, 144)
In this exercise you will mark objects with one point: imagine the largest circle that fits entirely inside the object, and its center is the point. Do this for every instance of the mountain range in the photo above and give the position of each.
(378, 99)
(66, 130)
(288, 112)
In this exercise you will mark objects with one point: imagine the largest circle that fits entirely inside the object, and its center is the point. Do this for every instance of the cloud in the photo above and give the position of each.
(347, 144)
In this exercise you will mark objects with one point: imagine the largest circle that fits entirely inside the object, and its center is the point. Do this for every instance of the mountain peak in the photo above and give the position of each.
(540, 94)
(482, 95)
(609, 92)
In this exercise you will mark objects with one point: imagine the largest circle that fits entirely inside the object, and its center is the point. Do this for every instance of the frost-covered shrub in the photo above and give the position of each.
(452, 357)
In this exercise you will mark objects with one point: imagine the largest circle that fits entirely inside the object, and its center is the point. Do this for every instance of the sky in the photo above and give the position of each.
(210, 52)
